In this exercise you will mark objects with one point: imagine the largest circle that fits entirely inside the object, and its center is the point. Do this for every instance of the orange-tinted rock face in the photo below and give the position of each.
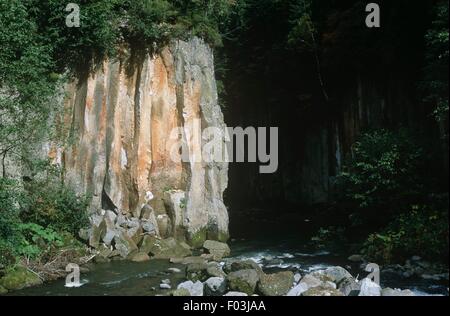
(118, 139)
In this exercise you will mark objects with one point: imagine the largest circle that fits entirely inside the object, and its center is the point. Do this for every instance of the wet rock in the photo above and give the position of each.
(174, 270)
(369, 288)
(140, 257)
(164, 286)
(234, 293)
(19, 278)
(243, 281)
(194, 289)
(322, 291)
(275, 284)
(215, 286)
(196, 272)
(397, 292)
(218, 249)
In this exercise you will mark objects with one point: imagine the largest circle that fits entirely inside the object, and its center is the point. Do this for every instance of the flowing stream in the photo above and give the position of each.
(143, 279)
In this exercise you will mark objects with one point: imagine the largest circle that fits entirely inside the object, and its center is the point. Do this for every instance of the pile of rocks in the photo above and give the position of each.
(117, 235)
(417, 267)
(247, 278)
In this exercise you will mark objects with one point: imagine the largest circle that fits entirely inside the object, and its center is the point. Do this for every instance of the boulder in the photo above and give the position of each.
(165, 286)
(215, 286)
(349, 287)
(333, 274)
(19, 278)
(322, 291)
(181, 292)
(125, 245)
(171, 248)
(275, 284)
(297, 278)
(298, 290)
(233, 293)
(97, 231)
(243, 265)
(196, 272)
(243, 281)
(397, 292)
(165, 248)
(136, 233)
(214, 269)
(140, 257)
(369, 288)
(355, 258)
(218, 249)
(194, 289)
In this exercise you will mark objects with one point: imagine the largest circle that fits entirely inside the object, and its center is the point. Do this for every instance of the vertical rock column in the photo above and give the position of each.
(117, 125)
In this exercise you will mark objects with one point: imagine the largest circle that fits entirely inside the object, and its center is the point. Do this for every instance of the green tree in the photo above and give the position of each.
(436, 72)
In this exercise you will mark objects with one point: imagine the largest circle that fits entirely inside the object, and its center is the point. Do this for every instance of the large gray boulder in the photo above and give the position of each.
(125, 245)
(196, 272)
(369, 288)
(215, 286)
(275, 284)
(243, 281)
(214, 269)
(333, 274)
(218, 249)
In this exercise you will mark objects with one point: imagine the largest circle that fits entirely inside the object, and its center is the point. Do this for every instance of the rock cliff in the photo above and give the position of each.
(117, 126)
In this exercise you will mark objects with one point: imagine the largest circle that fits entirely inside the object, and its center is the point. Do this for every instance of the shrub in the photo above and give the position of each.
(421, 231)
(383, 173)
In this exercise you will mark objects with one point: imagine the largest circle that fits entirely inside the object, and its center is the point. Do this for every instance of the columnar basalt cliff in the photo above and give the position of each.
(118, 146)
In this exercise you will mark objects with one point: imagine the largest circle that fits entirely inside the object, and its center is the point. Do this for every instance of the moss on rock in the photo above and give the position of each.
(19, 278)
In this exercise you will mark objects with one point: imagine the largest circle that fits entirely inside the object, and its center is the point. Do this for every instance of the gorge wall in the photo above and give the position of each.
(116, 130)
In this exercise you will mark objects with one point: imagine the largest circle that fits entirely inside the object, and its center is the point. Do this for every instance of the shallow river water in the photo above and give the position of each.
(143, 279)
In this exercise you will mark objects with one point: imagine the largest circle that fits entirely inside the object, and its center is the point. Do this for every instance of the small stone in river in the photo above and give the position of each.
(165, 281)
(164, 286)
(416, 258)
(355, 258)
(174, 270)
